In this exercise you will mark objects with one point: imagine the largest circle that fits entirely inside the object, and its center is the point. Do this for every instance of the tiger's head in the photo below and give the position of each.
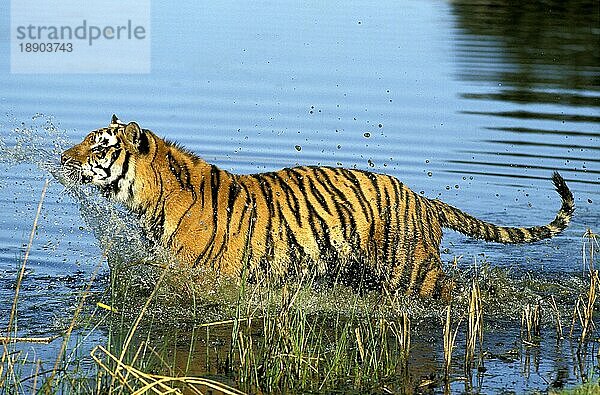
(106, 157)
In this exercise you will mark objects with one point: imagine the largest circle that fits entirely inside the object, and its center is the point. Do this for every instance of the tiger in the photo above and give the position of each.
(326, 220)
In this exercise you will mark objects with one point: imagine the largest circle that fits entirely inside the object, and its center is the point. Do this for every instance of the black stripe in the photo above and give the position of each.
(373, 178)
(386, 226)
(496, 233)
(407, 246)
(358, 196)
(108, 169)
(318, 174)
(270, 203)
(201, 191)
(541, 232)
(214, 185)
(429, 209)
(394, 207)
(143, 143)
(158, 217)
(521, 235)
(318, 235)
(317, 194)
(313, 214)
(358, 191)
(424, 269)
(233, 193)
(290, 197)
(297, 180)
(419, 224)
(287, 231)
(180, 172)
(114, 186)
(348, 228)
(247, 205)
(160, 196)
(157, 224)
(373, 222)
(158, 181)
(489, 231)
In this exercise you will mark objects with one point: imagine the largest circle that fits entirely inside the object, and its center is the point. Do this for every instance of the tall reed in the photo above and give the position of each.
(531, 325)
(583, 311)
(449, 336)
(474, 335)
(557, 319)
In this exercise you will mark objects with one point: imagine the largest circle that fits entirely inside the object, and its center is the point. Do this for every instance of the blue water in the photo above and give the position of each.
(457, 100)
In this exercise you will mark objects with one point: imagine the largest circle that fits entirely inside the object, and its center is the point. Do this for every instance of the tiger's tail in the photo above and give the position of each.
(453, 218)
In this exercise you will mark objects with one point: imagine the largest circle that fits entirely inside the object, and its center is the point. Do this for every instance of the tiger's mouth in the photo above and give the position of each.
(72, 170)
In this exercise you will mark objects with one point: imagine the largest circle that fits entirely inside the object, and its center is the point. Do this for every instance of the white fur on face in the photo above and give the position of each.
(100, 168)
(105, 139)
(104, 168)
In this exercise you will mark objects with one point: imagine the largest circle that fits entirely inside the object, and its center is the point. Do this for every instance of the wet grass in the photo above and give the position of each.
(590, 388)
(272, 341)
(288, 348)
(196, 332)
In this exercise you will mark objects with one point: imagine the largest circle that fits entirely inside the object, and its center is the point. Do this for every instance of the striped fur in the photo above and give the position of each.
(329, 221)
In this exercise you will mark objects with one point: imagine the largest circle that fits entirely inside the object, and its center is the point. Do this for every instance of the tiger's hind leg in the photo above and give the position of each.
(432, 281)
(423, 276)
(430, 275)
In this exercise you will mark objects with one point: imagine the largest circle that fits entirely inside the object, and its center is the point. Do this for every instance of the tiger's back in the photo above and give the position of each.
(321, 220)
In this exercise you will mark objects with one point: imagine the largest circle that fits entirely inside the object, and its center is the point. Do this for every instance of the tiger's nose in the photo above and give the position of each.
(65, 158)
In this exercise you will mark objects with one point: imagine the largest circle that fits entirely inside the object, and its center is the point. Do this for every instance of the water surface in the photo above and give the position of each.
(472, 102)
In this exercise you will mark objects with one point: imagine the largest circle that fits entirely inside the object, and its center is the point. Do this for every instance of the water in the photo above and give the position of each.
(474, 103)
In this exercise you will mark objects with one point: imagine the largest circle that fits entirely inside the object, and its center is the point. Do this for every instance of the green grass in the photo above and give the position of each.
(591, 388)
(266, 339)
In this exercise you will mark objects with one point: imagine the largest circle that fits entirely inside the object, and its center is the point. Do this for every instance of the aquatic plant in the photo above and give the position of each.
(449, 336)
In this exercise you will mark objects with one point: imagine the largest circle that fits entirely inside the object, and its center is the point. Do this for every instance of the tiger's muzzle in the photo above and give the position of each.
(71, 168)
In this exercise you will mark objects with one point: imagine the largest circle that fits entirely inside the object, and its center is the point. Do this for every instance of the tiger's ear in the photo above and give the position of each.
(137, 137)
(115, 121)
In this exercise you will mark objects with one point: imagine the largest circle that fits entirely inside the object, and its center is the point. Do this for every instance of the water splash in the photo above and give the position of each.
(40, 143)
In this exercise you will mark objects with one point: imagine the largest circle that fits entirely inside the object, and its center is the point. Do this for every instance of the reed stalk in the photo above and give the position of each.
(449, 335)
(584, 307)
(141, 314)
(531, 325)
(474, 334)
(403, 337)
(557, 319)
(590, 240)
(67, 335)
(139, 382)
(586, 319)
